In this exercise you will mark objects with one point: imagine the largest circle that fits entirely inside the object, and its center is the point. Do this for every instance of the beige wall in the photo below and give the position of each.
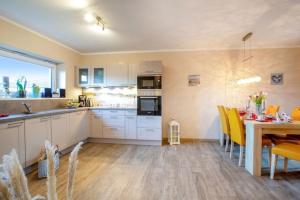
(20, 38)
(195, 107)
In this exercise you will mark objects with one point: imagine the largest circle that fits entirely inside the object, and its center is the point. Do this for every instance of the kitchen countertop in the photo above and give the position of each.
(19, 117)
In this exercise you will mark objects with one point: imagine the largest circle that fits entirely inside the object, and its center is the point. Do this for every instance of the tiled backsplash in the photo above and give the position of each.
(14, 106)
(114, 97)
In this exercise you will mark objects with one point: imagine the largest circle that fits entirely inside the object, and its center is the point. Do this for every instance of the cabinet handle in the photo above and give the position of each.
(44, 119)
(14, 125)
(113, 129)
(114, 117)
(149, 118)
(113, 111)
(56, 117)
(149, 130)
(130, 117)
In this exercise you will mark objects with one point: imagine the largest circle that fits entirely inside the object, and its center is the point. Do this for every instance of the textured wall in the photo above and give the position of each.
(195, 107)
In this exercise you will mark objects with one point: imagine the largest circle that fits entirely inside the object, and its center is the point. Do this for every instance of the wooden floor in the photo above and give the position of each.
(196, 170)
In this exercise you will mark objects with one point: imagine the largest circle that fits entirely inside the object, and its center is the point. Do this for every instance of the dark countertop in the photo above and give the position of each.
(19, 117)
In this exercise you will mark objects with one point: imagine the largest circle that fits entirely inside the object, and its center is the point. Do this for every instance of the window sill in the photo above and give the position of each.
(31, 99)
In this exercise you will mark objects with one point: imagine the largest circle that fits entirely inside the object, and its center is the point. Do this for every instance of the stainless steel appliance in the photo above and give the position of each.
(149, 82)
(149, 105)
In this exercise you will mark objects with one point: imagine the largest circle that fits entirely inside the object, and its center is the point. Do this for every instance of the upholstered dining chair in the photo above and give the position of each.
(288, 151)
(224, 124)
(237, 134)
(272, 110)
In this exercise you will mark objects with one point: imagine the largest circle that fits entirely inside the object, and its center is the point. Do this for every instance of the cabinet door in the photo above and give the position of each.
(78, 124)
(132, 74)
(149, 134)
(150, 67)
(130, 127)
(12, 137)
(117, 75)
(60, 131)
(98, 76)
(113, 132)
(96, 126)
(113, 120)
(37, 131)
(83, 76)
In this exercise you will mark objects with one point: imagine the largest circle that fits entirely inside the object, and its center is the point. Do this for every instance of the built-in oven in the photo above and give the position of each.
(149, 82)
(149, 105)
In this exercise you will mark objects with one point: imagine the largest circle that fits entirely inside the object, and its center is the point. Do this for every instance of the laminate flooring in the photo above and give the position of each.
(194, 170)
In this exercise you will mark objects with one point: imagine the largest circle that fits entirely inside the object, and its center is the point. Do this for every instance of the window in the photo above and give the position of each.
(35, 72)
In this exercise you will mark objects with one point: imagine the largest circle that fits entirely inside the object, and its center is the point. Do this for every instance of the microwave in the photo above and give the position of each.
(149, 82)
(149, 105)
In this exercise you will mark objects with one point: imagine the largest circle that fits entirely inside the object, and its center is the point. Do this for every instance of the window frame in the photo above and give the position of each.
(31, 59)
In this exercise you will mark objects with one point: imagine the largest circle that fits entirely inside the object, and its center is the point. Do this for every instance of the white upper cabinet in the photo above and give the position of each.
(98, 76)
(150, 67)
(132, 74)
(37, 131)
(83, 76)
(117, 75)
(12, 137)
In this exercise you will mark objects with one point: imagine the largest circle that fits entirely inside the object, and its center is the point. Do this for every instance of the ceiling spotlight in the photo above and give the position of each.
(79, 3)
(89, 17)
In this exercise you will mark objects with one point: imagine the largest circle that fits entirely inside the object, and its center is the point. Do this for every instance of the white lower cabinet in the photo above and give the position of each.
(96, 126)
(78, 123)
(149, 134)
(12, 137)
(37, 131)
(130, 127)
(60, 131)
(149, 128)
(113, 132)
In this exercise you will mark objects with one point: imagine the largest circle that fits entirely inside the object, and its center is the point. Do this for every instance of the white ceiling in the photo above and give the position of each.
(146, 25)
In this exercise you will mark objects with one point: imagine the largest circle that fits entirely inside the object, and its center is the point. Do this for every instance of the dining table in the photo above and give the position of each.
(254, 132)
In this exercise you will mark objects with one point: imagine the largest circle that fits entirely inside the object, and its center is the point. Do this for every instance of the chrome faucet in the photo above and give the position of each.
(28, 108)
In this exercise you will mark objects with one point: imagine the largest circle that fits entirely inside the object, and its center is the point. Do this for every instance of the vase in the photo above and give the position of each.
(259, 110)
(21, 93)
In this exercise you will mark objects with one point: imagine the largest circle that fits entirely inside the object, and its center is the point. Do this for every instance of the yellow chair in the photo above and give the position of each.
(286, 150)
(296, 114)
(272, 110)
(225, 125)
(237, 134)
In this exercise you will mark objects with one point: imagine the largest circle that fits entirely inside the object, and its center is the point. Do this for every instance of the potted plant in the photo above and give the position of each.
(21, 87)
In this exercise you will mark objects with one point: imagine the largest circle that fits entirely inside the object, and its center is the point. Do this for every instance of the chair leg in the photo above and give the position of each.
(273, 166)
(227, 143)
(222, 139)
(241, 155)
(285, 164)
(270, 156)
(231, 149)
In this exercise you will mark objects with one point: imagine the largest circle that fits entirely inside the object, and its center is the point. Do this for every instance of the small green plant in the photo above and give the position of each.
(35, 90)
(258, 98)
(21, 86)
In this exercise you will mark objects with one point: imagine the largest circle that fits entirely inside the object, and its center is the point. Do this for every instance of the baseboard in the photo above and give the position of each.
(125, 141)
(191, 140)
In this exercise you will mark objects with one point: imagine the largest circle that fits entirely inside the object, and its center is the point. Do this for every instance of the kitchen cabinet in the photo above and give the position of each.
(113, 132)
(98, 76)
(78, 125)
(113, 123)
(37, 131)
(12, 137)
(150, 67)
(132, 74)
(83, 76)
(117, 75)
(60, 131)
(149, 128)
(96, 126)
(130, 127)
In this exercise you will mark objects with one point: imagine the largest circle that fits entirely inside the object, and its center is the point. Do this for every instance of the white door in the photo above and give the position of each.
(130, 127)
(96, 126)
(12, 137)
(117, 75)
(132, 74)
(37, 131)
(60, 131)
